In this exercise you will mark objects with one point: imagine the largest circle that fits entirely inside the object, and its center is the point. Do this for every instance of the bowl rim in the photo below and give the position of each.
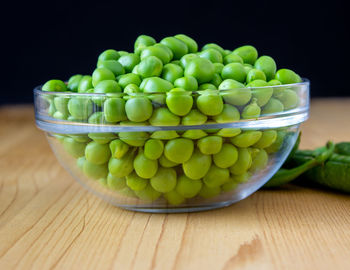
(38, 90)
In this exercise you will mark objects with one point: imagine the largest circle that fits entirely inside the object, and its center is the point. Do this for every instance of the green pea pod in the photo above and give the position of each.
(284, 176)
(343, 148)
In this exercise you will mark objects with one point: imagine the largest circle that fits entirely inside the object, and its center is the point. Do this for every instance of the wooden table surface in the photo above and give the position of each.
(48, 221)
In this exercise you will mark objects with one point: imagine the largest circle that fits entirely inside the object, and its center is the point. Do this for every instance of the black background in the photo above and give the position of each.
(56, 39)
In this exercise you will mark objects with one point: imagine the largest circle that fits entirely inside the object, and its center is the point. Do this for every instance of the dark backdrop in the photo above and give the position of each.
(56, 39)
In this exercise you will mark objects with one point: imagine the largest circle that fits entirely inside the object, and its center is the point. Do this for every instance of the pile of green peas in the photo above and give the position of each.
(172, 83)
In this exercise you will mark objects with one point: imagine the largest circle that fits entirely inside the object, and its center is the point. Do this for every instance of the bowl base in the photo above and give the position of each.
(187, 209)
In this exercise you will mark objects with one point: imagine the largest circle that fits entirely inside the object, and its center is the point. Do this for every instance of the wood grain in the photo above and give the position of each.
(47, 221)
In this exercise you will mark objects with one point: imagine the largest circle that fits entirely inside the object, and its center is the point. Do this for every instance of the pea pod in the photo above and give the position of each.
(305, 163)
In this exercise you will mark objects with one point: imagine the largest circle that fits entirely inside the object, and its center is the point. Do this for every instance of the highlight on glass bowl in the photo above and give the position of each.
(169, 128)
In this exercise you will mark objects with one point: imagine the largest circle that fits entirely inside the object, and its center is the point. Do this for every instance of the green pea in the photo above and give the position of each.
(212, 55)
(74, 148)
(178, 47)
(267, 65)
(174, 198)
(80, 162)
(138, 109)
(194, 134)
(114, 110)
(213, 46)
(179, 150)
(60, 116)
(246, 138)
(194, 117)
(207, 86)
(61, 104)
(51, 111)
(115, 183)
(218, 68)
(202, 69)
(211, 130)
(188, 187)
(274, 82)
(144, 40)
(102, 138)
(129, 78)
(179, 101)
(242, 178)
(188, 83)
(109, 55)
(191, 43)
(145, 167)
(107, 86)
(163, 117)
(165, 48)
(164, 134)
(134, 138)
(85, 84)
(150, 66)
(252, 110)
(210, 145)
(129, 61)
(97, 153)
(73, 82)
(232, 58)
(247, 67)
(216, 176)
(97, 118)
(229, 185)
(134, 70)
(228, 114)
(248, 53)
(112, 65)
(197, 166)
(288, 98)
(243, 162)
(260, 161)
(54, 86)
(227, 156)
(123, 166)
(101, 74)
(210, 103)
(287, 76)
(80, 137)
(131, 89)
(164, 180)
(216, 80)
(262, 93)
(235, 93)
(267, 139)
(273, 106)
(235, 71)
(255, 74)
(187, 58)
(155, 85)
(228, 132)
(166, 163)
(118, 148)
(153, 149)
(148, 193)
(80, 107)
(207, 192)
(95, 171)
(176, 62)
(122, 53)
(227, 52)
(171, 72)
(273, 148)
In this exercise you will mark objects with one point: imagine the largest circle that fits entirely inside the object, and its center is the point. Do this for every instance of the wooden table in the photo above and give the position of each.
(48, 221)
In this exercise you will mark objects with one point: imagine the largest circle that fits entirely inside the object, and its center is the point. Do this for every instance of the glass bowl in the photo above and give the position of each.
(172, 162)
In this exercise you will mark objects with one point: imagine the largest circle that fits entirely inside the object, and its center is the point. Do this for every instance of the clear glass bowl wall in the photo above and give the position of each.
(250, 150)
